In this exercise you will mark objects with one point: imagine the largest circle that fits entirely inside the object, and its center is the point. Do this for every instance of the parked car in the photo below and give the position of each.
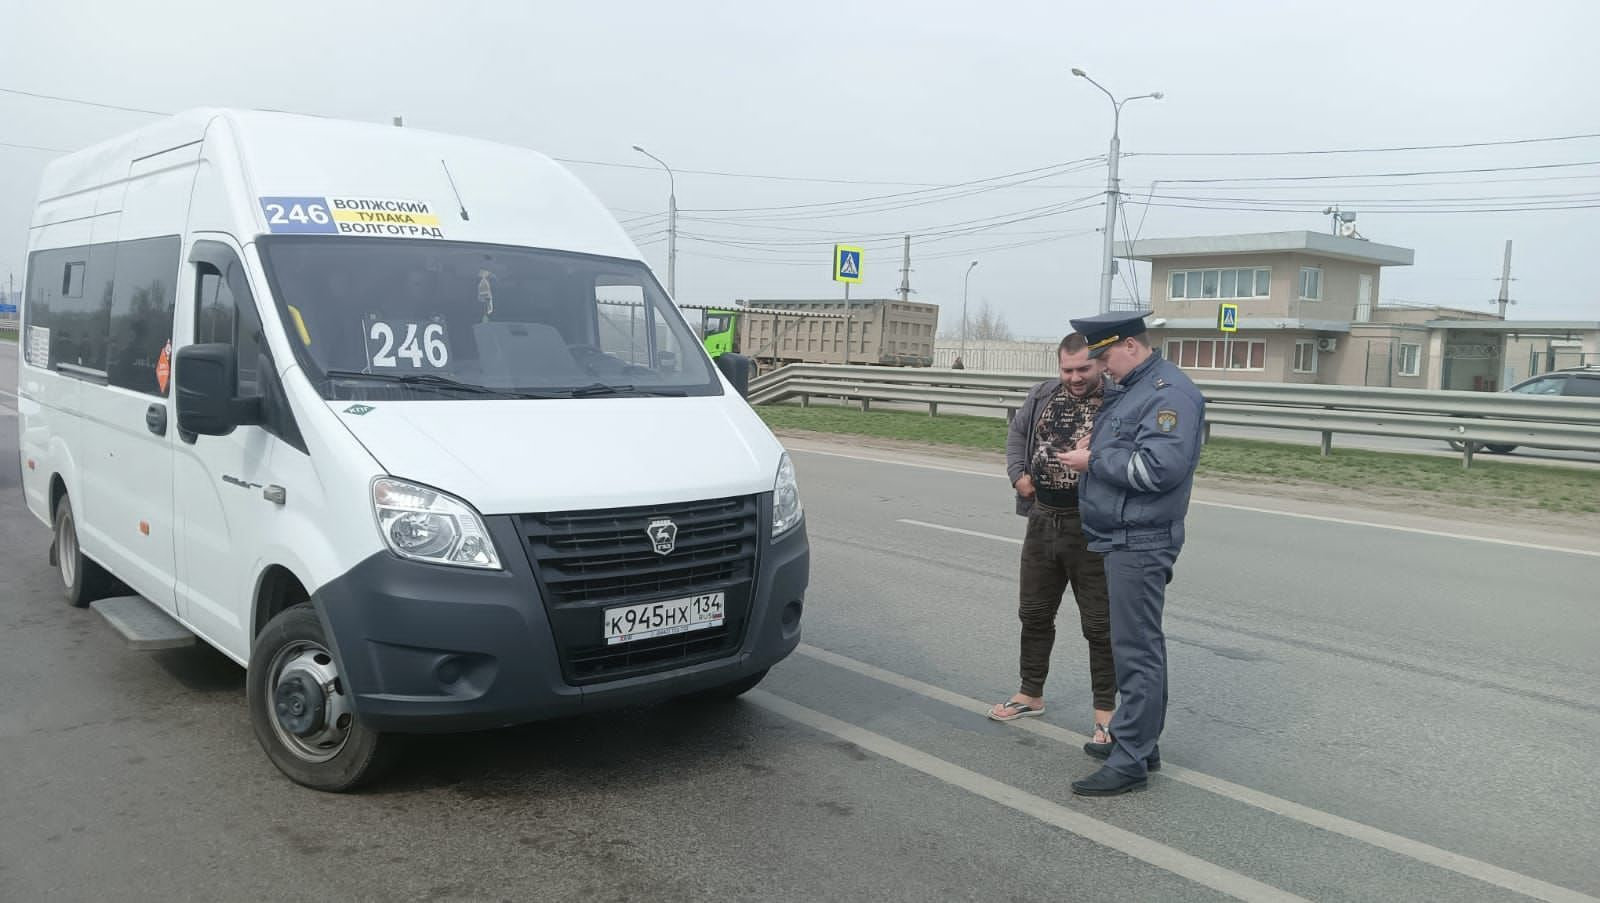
(1580, 382)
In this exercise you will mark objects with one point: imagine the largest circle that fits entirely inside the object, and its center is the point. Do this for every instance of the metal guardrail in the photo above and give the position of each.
(1473, 419)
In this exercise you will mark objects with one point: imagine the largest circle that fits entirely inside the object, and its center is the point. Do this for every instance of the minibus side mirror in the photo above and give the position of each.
(736, 367)
(207, 379)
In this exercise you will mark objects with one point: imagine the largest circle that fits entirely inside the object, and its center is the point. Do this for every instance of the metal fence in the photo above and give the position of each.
(1469, 421)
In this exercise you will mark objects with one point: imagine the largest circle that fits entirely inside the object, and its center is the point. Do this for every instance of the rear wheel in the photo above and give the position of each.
(1500, 449)
(82, 581)
(301, 709)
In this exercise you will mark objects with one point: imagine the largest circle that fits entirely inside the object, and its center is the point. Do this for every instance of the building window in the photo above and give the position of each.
(1310, 284)
(1305, 357)
(1205, 285)
(1410, 360)
(1217, 354)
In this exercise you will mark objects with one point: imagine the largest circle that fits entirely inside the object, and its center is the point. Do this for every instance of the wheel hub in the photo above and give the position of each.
(310, 710)
(300, 704)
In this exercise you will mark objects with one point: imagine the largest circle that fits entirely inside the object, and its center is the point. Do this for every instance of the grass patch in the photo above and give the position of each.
(8, 335)
(1489, 484)
(987, 433)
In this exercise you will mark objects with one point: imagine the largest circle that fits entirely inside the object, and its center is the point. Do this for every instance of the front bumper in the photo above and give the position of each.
(431, 648)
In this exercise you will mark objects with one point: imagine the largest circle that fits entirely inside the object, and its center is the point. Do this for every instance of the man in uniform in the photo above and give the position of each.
(1055, 555)
(1138, 468)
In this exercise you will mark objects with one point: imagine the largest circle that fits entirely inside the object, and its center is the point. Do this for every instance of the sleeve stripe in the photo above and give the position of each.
(1138, 474)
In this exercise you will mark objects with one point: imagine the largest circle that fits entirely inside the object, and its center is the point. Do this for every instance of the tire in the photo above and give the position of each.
(82, 580)
(317, 741)
(1500, 449)
(732, 689)
(1457, 445)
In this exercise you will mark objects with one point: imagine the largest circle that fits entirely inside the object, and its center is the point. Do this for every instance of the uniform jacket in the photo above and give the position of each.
(1142, 457)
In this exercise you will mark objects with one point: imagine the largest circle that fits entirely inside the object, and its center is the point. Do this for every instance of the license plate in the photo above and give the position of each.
(649, 620)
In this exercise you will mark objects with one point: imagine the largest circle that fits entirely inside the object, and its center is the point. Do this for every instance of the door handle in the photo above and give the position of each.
(155, 418)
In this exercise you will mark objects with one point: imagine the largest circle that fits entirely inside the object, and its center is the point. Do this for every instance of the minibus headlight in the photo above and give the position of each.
(428, 525)
(786, 509)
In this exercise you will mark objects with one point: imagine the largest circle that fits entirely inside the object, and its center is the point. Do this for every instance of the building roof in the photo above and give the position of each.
(1519, 327)
(1255, 324)
(1317, 244)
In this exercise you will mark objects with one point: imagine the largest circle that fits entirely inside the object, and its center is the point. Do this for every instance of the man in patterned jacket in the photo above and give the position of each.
(1057, 414)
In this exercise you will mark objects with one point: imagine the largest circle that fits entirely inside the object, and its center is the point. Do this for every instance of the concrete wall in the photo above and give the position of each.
(1370, 356)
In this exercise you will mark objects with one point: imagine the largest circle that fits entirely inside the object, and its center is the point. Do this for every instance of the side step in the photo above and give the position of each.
(142, 624)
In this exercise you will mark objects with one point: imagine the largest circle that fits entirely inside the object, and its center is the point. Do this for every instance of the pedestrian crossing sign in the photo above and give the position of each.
(846, 264)
(1228, 317)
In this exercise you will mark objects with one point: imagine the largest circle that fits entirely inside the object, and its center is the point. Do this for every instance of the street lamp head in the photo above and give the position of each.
(1079, 72)
(1156, 95)
(638, 148)
(974, 263)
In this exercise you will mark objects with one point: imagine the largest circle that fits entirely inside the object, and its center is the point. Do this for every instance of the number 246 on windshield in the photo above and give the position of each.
(397, 344)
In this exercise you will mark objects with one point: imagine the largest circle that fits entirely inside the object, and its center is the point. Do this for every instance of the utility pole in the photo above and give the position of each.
(964, 280)
(1505, 281)
(905, 272)
(1113, 191)
(672, 224)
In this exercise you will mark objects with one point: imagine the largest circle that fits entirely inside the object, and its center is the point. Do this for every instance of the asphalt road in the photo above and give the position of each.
(1358, 713)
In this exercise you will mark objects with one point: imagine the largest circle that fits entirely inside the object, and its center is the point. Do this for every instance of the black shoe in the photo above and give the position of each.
(1102, 751)
(1107, 782)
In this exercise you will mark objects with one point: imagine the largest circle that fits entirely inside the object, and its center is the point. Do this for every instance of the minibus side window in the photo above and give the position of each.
(226, 314)
(142, 304)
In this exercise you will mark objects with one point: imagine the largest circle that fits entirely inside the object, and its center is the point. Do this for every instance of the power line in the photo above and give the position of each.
(1389, 175)
(1315, 210)
(35, 147)
(1053, 169)
(1367, 150)
(977, 224)
(87, 103)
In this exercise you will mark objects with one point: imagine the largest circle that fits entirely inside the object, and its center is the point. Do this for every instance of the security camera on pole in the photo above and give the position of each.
(1109, 266)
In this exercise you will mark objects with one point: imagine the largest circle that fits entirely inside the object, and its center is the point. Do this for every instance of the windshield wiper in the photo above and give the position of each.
(594, 389)
(434, 381)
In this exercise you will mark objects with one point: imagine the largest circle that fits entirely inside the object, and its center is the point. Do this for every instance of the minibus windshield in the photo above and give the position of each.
(366, 313)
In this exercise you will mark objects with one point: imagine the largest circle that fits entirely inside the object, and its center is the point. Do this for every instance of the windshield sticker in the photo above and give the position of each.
(350, 216)
(359, 410)
(395, 344)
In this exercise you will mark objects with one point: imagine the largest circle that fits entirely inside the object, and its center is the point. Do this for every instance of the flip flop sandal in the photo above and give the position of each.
(1014, 710)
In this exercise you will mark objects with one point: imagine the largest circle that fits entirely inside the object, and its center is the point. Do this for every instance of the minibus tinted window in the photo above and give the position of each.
(509, 318)
(141, 311)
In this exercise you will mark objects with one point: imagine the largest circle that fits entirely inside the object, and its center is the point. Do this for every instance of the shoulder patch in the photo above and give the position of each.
(1166, 420)
(1161, 382)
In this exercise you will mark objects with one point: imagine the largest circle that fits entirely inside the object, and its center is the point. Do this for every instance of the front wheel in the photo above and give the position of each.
(301, 711)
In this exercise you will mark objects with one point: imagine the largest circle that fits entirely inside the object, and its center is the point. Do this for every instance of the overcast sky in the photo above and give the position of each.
(841, 103)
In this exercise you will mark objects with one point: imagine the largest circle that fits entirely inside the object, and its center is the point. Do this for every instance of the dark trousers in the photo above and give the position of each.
(1138, 583)
(1055, 555)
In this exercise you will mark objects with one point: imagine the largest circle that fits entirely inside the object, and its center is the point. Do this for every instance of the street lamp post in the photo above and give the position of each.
(672, 224)
(964, 280)
(1112, 187)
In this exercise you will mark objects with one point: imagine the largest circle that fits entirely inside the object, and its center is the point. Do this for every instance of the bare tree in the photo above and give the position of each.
(989, 325)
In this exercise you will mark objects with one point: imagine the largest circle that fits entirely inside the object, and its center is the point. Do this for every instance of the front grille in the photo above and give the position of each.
(588, 561)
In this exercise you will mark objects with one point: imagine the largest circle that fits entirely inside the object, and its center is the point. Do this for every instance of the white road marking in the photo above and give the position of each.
(1377, 837)
(1443, 534)
(1161, 856)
